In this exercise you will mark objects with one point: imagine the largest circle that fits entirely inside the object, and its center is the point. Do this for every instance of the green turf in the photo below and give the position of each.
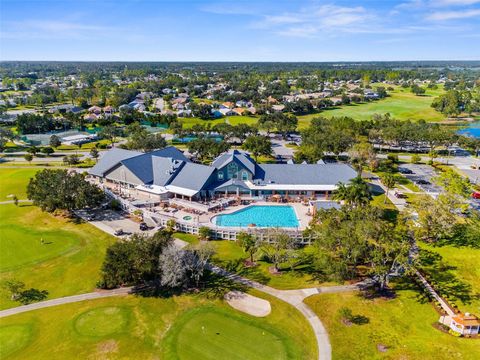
(456, 270)
(230, 255)
(13, 338)
(102, 321)
(403, 324)
(67, 263)
(157, 328)
(23, 245)
(401, 104)
(216, 333)
(14, 182)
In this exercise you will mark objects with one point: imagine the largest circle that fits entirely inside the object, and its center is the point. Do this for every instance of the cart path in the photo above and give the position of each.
(293, 297)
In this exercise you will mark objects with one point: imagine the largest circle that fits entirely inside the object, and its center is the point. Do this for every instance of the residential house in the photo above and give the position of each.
(238, 111)
(226, 105)
(97, 110)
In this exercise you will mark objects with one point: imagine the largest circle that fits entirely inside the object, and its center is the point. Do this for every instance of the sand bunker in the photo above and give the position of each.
(248, 304)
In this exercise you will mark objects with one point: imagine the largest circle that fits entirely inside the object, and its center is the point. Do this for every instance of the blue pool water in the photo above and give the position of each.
(472, 130)
(187, 139)
(261, 216)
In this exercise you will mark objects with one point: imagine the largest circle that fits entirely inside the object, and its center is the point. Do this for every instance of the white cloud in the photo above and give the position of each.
(452, 15)
(453, 2)
(51, 29)
(309, 22)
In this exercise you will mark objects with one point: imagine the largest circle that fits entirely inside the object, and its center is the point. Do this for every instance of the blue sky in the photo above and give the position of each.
(239, 30)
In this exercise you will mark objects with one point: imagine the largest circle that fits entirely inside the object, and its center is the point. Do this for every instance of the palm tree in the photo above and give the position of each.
(249, 244)
(389, 181)
(356, 193)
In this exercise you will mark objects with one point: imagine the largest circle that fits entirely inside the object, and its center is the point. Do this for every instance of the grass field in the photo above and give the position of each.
(14, 181)
(231, 256)
(68, 261)
(181, 327)
(401, 104)
(402, 324)
(232, 120)
(456, 271)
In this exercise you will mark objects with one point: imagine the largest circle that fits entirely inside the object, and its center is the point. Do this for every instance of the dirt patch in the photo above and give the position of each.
(107, 347)
(248, 304)
(382, 348)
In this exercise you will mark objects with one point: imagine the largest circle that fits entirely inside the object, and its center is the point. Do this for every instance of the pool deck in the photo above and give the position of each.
(301, 212)
(206, 219)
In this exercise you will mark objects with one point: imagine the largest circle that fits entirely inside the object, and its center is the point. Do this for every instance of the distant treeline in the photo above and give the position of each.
(42, 69)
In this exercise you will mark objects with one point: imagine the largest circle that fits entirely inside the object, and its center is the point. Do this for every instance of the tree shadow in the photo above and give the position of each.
(459, 239)
(440, 275)
(253, 273)
(216, 286)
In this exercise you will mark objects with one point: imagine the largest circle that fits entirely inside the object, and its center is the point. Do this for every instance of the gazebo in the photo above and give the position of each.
(465, 324)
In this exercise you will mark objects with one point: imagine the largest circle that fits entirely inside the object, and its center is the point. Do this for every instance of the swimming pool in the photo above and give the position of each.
(261, 216)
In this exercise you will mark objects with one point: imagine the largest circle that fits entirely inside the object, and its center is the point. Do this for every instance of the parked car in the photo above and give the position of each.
(90, 217)
(476, 195)
(405, 171)
(143, 226)
(399, 195)
(118, 232)
(423, 182)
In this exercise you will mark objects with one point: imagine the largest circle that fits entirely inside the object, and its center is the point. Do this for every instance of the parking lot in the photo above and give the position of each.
(422, 173)
(111, 221)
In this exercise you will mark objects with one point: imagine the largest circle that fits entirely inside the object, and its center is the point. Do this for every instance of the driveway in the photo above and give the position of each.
(110, 221)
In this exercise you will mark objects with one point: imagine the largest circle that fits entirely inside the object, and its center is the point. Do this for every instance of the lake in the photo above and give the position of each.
(471, 130)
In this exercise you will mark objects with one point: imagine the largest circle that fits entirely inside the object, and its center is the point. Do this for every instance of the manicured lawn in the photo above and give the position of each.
(68, 261)
(456, 271)
(14, 181)
(179, 327)
(402, 324)
(232, 120)
(401, 104)
(230, 256)
(189, 122)
(235, 120)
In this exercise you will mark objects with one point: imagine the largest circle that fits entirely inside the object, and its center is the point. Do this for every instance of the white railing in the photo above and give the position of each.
(216, 232)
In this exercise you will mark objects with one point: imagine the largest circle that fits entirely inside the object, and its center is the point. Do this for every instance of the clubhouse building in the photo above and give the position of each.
(168, 173)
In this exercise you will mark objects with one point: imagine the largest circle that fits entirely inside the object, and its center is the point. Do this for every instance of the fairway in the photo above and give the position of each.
(220, 334)
(404, 325)
(66, 263)
(14, 182)
(131, 327)
(401, 104)
(22, 245)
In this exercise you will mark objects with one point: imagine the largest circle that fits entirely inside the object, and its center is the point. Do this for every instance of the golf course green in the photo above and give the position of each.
(187, 327)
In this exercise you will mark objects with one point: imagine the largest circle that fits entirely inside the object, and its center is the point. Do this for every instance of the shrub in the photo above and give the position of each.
(115, 205)
(415, 159)
(393, 158)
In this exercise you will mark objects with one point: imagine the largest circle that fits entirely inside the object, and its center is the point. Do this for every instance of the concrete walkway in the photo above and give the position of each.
(65, 300)
(295, 298)
(12, 201)
(292, 297)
